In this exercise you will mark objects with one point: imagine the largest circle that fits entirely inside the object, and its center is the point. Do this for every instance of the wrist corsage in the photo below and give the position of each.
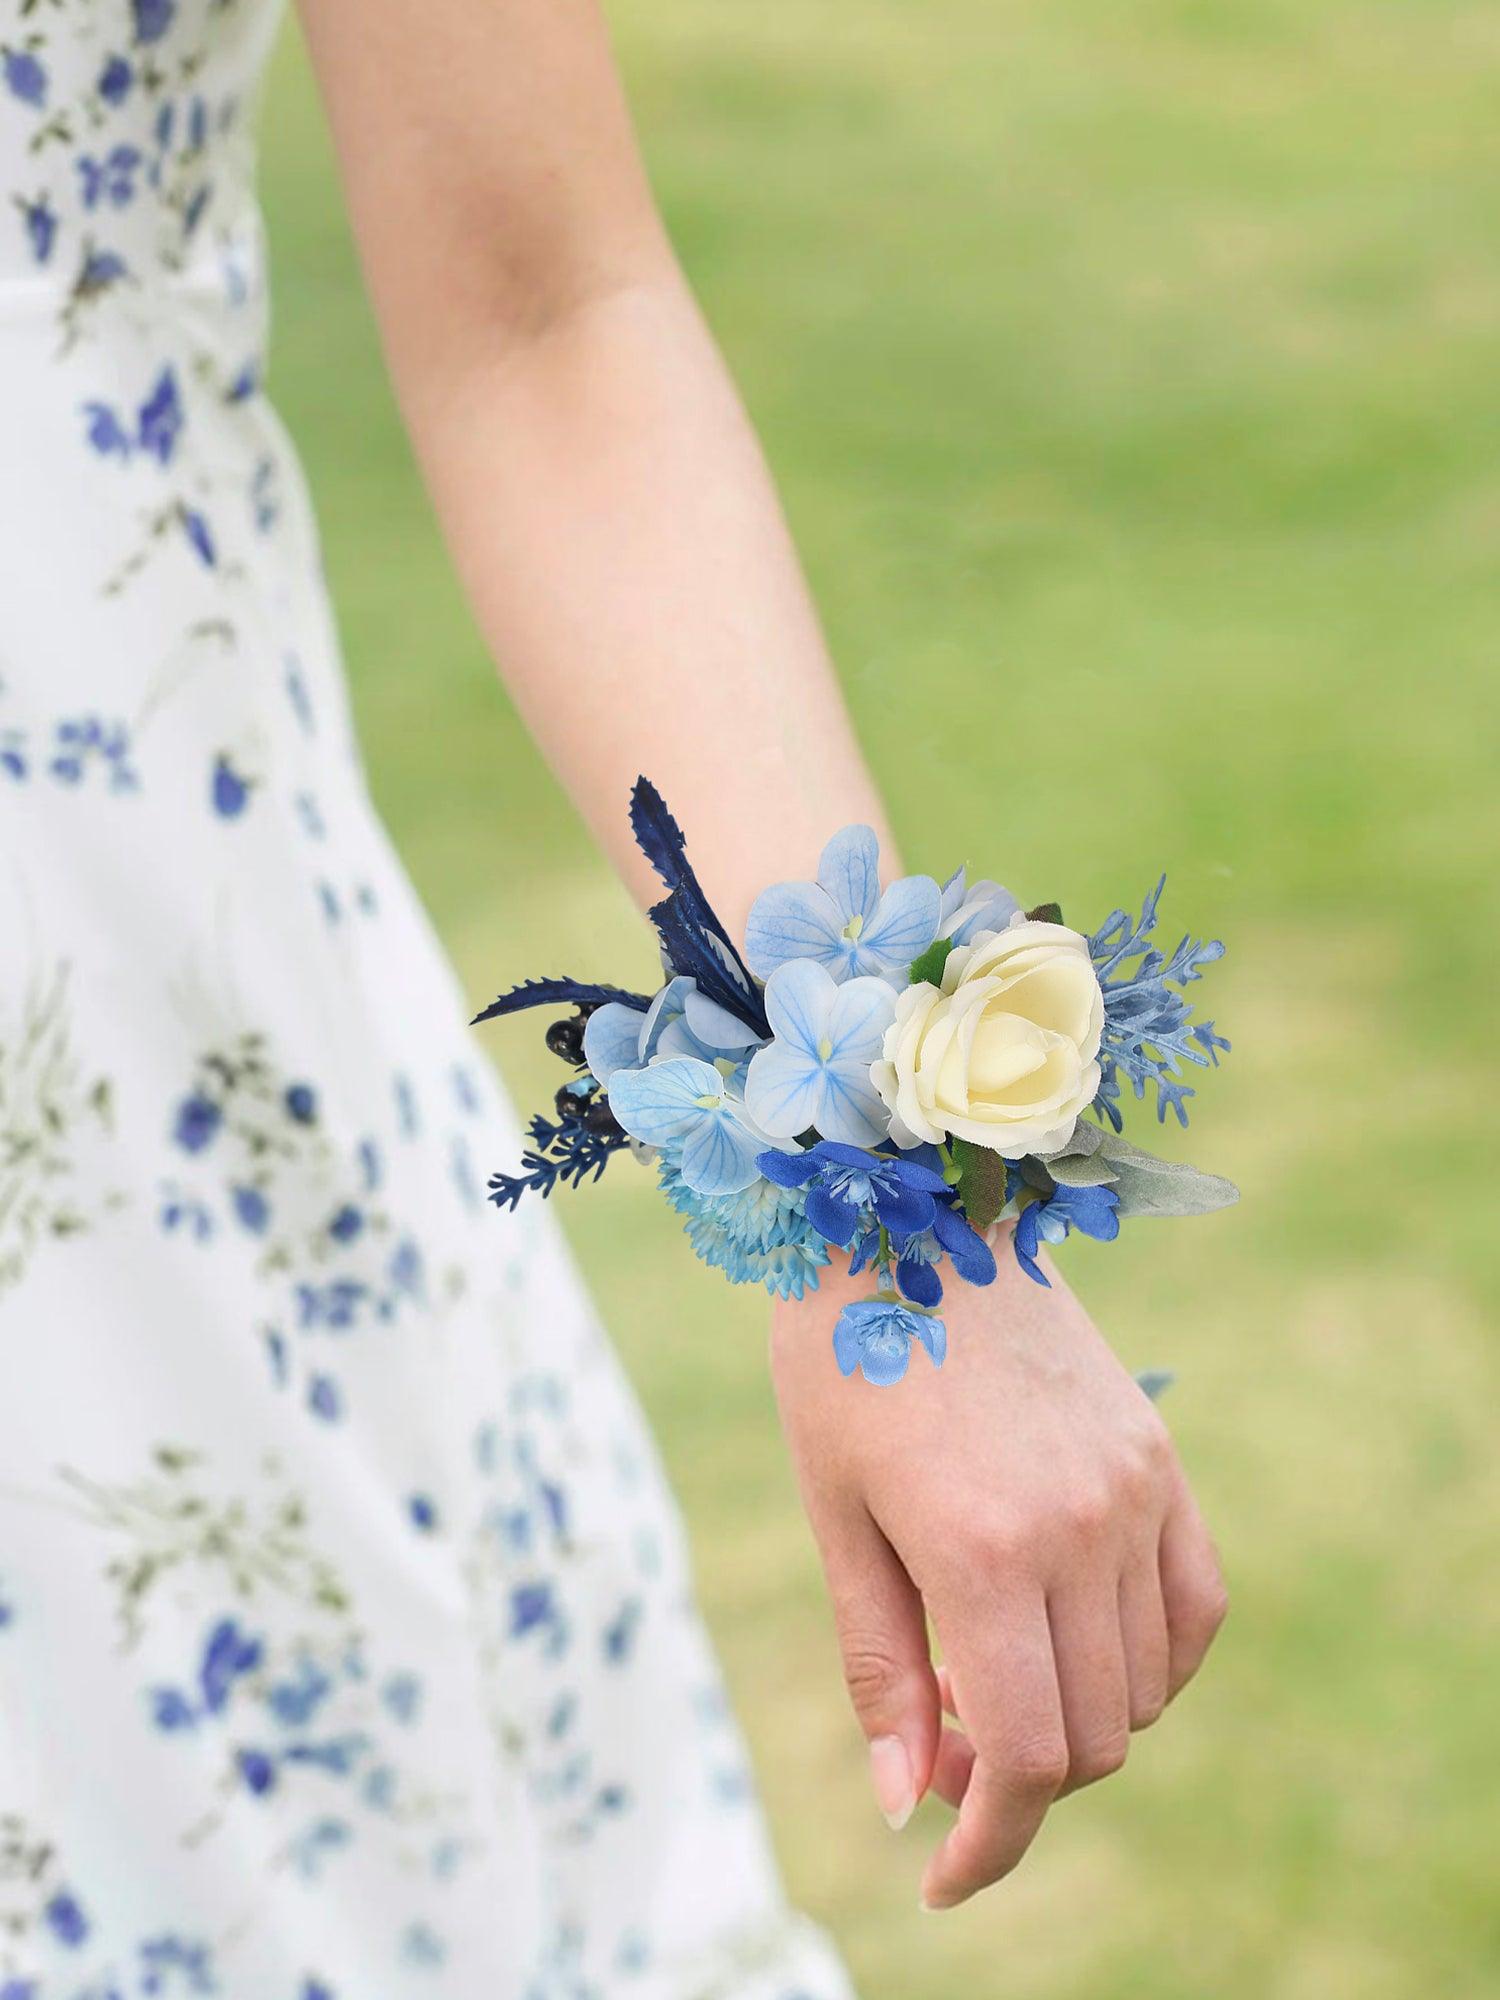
(879, 1074)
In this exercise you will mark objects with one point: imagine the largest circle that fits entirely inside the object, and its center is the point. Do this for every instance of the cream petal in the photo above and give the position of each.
(1005, 1052)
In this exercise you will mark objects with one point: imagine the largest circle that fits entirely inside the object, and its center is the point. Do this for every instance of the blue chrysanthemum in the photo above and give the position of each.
(758, 1235)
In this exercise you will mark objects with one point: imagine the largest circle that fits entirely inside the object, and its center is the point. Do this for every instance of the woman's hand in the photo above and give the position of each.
(1027, 1498)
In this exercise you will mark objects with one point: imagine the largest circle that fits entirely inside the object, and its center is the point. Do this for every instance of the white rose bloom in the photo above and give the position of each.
(1005, 1052)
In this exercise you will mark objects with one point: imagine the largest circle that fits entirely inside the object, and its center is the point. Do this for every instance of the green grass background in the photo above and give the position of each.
(1130, 374)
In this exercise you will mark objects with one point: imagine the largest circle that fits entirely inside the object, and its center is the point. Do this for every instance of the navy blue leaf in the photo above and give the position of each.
(695, 941)
(558, 992)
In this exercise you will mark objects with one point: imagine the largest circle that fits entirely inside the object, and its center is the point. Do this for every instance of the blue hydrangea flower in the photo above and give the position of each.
(815, 1075)
(1090, 1210)
(680, 1021)
(850, 1191)
(760, 1235)
(842, 921)
(683, 1107)
(876, 1335)
(967, 908)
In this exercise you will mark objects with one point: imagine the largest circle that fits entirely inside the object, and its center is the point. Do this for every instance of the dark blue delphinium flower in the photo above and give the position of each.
(228, 1652)
(847, 1186)
(198, 1119)
(530, 1605)
(152, 19)
(324, 1398)
(159, 424)
(951, 1235)
(115, 80)
(346, 1224)
(876, 1335)
(200, 536)
(171, 1710)
(110, 179)
(1050, 1218)
(1148, 1027)
(105, 433)
(25, 77)
(257, 1770)
(41, 227)
(99, 270)
(65, 1919)
(295, 1702)
(229, 789)
(251, 1208)
(301, 1103)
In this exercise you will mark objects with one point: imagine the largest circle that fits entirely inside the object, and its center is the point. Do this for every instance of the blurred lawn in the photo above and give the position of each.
(1131, 377)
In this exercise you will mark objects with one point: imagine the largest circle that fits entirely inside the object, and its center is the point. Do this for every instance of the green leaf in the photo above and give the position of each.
(981, 1181)
(1148, 1186)
(928, 969)
(1079, 1170)
(1045, 913)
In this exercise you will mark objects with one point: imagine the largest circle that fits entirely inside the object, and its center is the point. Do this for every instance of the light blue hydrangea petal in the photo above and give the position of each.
(660, 1104)
(987, 906)
(792, 920)
(612, 1039)
(850, 871)
(905, 924)
(718, 1154)
(784, 1090)
(714, 1025)
(953, 890)
(856, 1022)
(850, 1109)
(666, 1008)
(799, 1001)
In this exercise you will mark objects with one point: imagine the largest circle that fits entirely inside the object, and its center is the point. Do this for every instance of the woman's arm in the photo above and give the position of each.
(613, 519)
(601, 490)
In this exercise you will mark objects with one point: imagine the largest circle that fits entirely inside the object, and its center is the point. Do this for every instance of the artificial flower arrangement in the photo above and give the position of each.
(882, 1074)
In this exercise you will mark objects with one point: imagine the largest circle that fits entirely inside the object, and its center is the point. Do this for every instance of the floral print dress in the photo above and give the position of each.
(347, 1649)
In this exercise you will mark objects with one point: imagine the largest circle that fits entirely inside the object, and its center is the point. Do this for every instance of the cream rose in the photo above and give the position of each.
(1004, 1052)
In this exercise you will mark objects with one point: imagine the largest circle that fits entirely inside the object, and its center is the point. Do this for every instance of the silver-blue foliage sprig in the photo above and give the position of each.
(1149, 1031)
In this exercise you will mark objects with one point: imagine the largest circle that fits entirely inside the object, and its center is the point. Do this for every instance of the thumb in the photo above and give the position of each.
(882, 1631)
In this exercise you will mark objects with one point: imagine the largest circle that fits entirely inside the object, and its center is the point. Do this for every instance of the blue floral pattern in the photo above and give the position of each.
(344, 1609)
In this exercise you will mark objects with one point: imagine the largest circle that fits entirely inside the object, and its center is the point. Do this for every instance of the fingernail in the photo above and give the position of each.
(890, 1772)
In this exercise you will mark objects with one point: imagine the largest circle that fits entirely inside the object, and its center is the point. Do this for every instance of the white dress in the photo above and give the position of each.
(347, 1649)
